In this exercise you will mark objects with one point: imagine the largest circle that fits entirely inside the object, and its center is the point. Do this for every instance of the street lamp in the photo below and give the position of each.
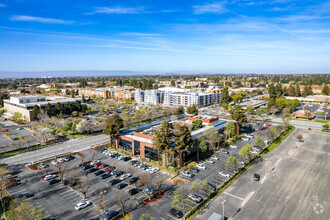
(223, 209)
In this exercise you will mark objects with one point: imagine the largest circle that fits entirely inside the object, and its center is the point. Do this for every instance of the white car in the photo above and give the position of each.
(54, 162)
(82, 205)
(154, 170)
(60, 160)
(224, 174)
(241, 162)
(105, 152)
(233, 146)
(94, 162)
(210, 161)
(245, 138)
(249, 136)
(49, 177)
(214, 158)
(125, 176)
(187, 174)
(201, 166)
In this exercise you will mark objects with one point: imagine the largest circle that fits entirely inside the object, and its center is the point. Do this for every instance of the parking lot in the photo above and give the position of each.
(58, 200)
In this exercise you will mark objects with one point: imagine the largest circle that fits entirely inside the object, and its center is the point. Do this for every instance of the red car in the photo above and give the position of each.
(98, 165)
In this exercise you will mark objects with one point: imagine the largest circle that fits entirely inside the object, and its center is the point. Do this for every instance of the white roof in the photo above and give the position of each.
(140, 139)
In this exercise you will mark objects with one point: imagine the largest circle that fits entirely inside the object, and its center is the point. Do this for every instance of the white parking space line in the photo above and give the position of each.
(233, 196)
(75, 200)
(247, 198)
(171, 216)
(18, 191)
(67, 193)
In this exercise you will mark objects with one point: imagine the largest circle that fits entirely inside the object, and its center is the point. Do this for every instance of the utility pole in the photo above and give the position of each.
(223, 209)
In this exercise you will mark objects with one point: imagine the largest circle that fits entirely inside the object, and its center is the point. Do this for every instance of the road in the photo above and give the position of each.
(299, 124)
(68, 146)
(293, 184)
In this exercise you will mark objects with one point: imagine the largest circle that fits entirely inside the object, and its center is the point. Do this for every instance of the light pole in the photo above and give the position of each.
(223, 209)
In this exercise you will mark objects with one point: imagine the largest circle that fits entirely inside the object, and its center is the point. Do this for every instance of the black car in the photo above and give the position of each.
(98, 172)
(86, 167)
(53, 181)
(92, 170)
(133, 180)
(114, 181)
(118, 173)
(212, 187)
(122, 185)
(110, 215)
(256, 177)
(133, 191)
(194, 170)
(176, 213)
(126, 158)
(25, 195)
(105, 175)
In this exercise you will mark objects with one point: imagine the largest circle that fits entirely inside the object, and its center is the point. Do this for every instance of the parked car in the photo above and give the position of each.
(187, 174)
(241, 162)
(225, 151)
(53, 181)
(98, 165)
(82, 205)
(176, 213)
(99, 172)
(49, 176)
(86, 167)
(214, 158)
(54, 162)
(118, 173)
(256, 177)
(122, 185)
(105, 175)
(194, 170)
(110, 215)
(209, 161)
(133, 191)
(245, 139)
(224, 174)
(60, 160)
(212, 187)
(92, 170)
(95, 162)
(249, 136)
(201, 166)
(233, 146)
(24, 195)
(133, 180)
(195, 198)
(125, 176)
(43, 165)
(153, 170)
(114, 181)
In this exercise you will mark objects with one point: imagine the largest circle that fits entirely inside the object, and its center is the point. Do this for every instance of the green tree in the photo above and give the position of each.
(206, 186)
(2, 97)
(83, 100)
(163, 140)
(181, 196)
(179, 110)
(147, 216)
(67, 108)
(291, 90)
(77, 106)
(49, 110)
(325, 126)
(278, 90)
(195, 187)
(232, 162)
(202, 146)
(183, 141)
(230, 129)
(245, 153)
(259, 142)
(197, 124)
(238, 114)
(225, 98)
(112, 126)
(35, 112)
(173, 81)
(214, 138)
(325, 90)
(20, 210)
(58, 108)
(192, 110)
(272, 95)
(297, 91)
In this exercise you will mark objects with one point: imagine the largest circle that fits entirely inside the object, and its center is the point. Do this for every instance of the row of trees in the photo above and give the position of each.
(58, 109)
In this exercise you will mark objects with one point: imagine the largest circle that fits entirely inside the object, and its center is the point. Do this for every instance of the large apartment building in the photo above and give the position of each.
(152, 97)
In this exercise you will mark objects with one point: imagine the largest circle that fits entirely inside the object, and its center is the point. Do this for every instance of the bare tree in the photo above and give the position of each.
(159, 182)
(61, 170)
(73, 177)
(43, 117)
(145, 182)
(44, 135)
(101, 203)
(93, 155)
(84, 186)
(119, 199)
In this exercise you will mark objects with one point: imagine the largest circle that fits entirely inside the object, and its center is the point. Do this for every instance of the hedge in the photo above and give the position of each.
(270, 148)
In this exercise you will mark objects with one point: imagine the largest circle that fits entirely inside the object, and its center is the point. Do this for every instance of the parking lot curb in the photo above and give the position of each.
(28, 166)
(94, 150)
(155, 200)
(170, 181)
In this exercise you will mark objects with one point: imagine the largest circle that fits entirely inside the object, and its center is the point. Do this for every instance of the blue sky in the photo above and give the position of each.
(233, 36)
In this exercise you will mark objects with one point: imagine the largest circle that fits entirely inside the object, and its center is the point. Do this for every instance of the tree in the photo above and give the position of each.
(232, 162)
(230, 129)
(271, 133)
(49, 110)
(173, 82)
(159, 182)
(238, 114)
(145, 183)
(299, 138)
(259, 142)
(84, 186)
(119, 199)
(206, 186)
(82, 126)
(20, 210)
(225, 98)
(192, 109)
(183, 141)
(325, 90)
(196, 124)
(291, 91)
(112, 126)
(214, 138)
(83, 99)
(272, 95)
(147, 216)
(67, 108)
(195, 187)
(245, 153)
(181, 196)
(201, 147)
(286, 119)
(60, 169)
(163, 140)
(77, 106)
(58, 108)
(179, 110)
(297, 91)
(35, 112)
(325, 126)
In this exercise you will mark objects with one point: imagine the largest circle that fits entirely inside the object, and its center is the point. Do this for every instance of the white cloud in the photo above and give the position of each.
(215, 7)
(117, 10)
(2, 5)
(39, 19)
